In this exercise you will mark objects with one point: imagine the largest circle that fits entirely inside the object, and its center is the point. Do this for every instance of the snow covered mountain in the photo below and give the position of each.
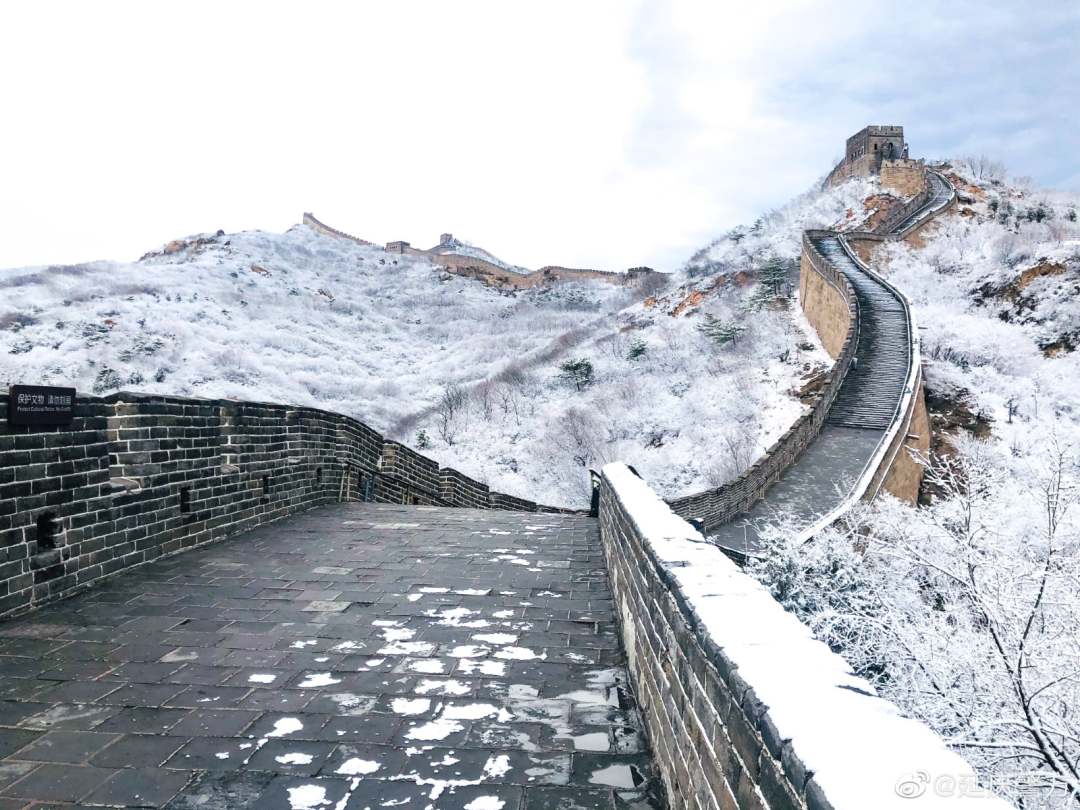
(523, 389)
(472, 375)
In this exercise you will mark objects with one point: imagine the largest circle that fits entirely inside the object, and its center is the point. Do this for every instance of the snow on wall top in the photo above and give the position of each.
(862, 752)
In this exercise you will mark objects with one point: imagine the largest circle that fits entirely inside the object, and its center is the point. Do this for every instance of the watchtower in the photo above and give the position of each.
(878, 143)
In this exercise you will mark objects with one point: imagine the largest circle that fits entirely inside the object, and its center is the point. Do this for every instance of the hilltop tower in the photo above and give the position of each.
(879, 149)
(879, 143)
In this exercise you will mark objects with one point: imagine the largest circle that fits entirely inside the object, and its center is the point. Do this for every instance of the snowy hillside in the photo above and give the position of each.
(460, 248)
(310, 319)
(965, 610)
(779, 232)
(295, 317)
(472, 376)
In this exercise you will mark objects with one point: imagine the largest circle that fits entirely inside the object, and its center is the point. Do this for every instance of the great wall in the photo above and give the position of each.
(742, 708)
(460, 259)
(869, 416)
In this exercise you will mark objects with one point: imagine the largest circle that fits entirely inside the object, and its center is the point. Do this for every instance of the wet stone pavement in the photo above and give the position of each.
(357, 656)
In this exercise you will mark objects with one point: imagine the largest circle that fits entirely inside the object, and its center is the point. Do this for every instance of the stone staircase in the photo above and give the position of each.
(872, 388)
(837, 465)
(941, 192)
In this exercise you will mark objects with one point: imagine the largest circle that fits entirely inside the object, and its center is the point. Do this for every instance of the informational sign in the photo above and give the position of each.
(40, 405)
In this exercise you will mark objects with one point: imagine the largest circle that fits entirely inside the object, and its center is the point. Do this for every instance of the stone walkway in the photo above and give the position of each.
(359, 656)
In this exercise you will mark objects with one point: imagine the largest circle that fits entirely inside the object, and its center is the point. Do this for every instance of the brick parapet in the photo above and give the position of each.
(137, 476)
(457, 489)
(898, 213)
(310, 220)
(743, 708)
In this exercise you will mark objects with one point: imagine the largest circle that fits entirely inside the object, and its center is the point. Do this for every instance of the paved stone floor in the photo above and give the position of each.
(358, 656)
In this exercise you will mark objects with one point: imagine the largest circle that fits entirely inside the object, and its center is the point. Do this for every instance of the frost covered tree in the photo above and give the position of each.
(981, 167)
(451, 411)
(965, 614)
(773, 275)
(721, 332)
(577, 372)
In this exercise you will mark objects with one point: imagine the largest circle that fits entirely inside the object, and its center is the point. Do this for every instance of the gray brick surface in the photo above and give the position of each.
(475, 657)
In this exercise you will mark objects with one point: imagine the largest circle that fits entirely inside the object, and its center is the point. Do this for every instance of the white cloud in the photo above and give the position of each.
(602, 134)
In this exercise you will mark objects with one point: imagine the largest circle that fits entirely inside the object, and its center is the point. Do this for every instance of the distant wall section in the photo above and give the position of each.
(314, 224)
(487, 272)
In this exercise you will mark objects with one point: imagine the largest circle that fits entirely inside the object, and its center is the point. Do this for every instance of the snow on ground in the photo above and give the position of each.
(461, 248)
(779, 232)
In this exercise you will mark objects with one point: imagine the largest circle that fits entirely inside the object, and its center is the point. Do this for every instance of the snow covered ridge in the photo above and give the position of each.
(473, 261)
(737, 694)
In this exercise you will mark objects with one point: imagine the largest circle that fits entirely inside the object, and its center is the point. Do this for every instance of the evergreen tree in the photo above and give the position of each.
(721, 332)
(773, 275)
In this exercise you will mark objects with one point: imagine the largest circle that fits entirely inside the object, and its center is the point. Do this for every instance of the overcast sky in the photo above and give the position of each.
(603, 134)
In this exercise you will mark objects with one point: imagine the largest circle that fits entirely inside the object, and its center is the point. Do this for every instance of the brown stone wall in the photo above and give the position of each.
(905, 177)
(916, 237)
(314, 224)
(825, 307)
(490, 274)
(905, 474)
(496, 276)
(862, 166)
(864, 243)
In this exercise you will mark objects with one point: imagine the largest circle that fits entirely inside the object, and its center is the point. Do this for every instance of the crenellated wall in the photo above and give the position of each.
(489, 273)
(905, 176)
(827, 304)
(138, 476)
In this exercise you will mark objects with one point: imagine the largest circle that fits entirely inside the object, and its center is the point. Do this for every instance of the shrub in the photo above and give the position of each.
(451, 411)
